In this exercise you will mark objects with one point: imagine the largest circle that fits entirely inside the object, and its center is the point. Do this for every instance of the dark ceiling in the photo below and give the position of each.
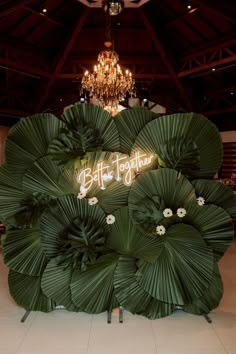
(184, 61)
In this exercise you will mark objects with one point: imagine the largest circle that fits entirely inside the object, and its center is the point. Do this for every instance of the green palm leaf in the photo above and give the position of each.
(178, 139)
(22, 251)
(216, 193)
(73, 226)
(214, 224)
(129, 123)
(26, 291)
(28, 140)
(100, 121)
(92, 290)
(184, 269)
(10, 194)
(125, 239)
(153, 191)
(132, 296)
(56, 282)
(210, 299)
(44, 176)
(19, 209)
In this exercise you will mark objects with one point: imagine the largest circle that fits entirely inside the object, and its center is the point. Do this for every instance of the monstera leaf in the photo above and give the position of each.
(71, 145)
(211, 297)
(184, 269)
(129, 123)
(28, 140)
(56, 282)
(30, 209)
(23, 252)
(125, 239)
(75, 229)
(96, 119)
(182, 140)
(181, 155)
(153, 191)
(132, 296)
(92, 290)
(26, 291)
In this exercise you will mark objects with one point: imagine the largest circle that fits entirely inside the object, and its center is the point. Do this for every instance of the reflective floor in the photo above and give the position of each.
(63, 332)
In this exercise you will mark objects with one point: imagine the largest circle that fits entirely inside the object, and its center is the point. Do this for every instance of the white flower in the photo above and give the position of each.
(110, 219)
(92, 201)
(200, 201)
(181, 212)
(167, 213)
(81, 195)
(161, 230)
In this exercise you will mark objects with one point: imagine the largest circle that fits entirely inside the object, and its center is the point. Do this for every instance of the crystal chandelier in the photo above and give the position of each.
(108, 83)
(113, 7)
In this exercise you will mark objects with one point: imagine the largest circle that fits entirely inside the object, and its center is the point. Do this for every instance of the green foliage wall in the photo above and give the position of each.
(148, 247)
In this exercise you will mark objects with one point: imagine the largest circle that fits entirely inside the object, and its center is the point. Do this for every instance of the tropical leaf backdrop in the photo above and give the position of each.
(80, 236)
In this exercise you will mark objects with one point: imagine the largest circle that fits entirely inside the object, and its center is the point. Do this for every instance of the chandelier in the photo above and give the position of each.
(113, 7)
(108, 83)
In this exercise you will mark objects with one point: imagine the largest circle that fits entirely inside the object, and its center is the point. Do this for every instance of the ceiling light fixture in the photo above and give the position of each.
(113, 7)
(108, 82)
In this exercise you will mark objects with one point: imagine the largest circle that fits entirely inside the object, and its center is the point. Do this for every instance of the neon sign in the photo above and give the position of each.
(121, 167)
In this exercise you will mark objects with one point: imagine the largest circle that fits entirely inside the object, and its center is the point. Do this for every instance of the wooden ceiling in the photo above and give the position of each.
(181, 59)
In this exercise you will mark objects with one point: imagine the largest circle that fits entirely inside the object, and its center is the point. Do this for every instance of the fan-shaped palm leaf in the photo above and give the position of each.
(127, 240)
(56, 281)
(183, 270)
(26, 291)
(19, 209)
(92, 290)
(216, 193)
(156, 190)
(10, 194)
(22, 251)
(214, 224)
(210, 299)
(176, 139)
(98, 118)
(73, 225)
(129, 123)
(28, 140)
(132, 296)
(44, 176)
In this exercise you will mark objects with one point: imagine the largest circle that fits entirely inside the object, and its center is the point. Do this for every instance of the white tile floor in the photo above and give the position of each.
(62, 332)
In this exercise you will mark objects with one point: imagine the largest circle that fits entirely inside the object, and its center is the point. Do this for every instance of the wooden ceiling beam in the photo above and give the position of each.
(6, 9)
(42, 15)
(165, 59)
(67, 49)
(217, 9)
(209, 66)
(24, 69)
(218, 111)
